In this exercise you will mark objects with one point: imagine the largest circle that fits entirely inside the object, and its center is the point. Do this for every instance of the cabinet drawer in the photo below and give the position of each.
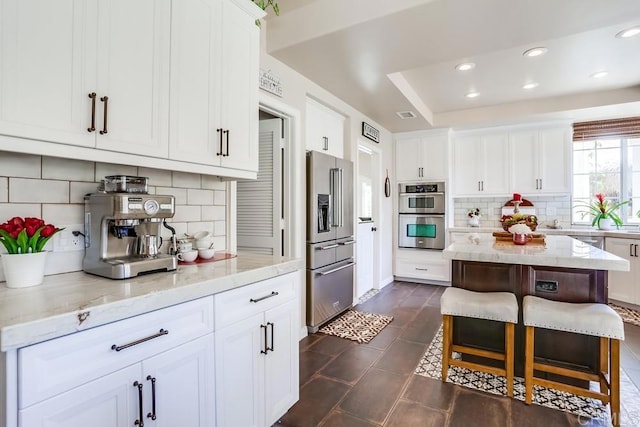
(57, 365)
(244, 302)
(432, 270)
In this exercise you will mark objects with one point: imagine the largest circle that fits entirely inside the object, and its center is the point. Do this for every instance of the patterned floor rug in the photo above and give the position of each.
(431, 363)
(628, 315)
(357, 326)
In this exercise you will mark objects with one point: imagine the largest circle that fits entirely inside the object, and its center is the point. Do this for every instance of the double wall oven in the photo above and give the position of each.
(421, 215)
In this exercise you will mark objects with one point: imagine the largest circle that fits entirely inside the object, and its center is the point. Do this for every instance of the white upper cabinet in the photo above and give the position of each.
(540, 160)
(480, 164)
(57, 55)
(324, 129)
(214, 89)
(422, 157)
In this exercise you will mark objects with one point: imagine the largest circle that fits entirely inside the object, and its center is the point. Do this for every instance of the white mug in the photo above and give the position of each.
(185, 246)
(188, 256)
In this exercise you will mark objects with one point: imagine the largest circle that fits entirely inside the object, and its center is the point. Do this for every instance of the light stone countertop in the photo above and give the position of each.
(627, 233)
(558, 251)
(71, 302)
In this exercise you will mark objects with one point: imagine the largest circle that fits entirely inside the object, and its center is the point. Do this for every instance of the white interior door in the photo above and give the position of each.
(367, 207)
(259, 214)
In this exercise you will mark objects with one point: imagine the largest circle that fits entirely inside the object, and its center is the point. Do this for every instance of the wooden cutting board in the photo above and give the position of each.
(505, 237)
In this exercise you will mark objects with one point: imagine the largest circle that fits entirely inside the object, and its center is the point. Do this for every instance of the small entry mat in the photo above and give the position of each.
(357, 326)
(628, 315)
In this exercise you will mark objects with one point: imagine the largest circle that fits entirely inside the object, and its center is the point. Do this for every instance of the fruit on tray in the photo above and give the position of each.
(508, 220)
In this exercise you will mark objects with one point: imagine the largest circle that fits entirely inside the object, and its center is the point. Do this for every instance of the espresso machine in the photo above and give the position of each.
(123, 234)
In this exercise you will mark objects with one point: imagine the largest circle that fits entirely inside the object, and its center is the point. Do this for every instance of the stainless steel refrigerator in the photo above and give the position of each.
(330, 242)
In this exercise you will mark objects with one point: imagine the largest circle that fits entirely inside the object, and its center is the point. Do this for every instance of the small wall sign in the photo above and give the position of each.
(370, 132)
(270, 83)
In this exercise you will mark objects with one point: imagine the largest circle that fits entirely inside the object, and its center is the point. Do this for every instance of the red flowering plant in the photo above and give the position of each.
(601, 209)
(23, 236)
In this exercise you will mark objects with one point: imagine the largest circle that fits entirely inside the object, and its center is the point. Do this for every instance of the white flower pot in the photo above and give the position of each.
(23, 270)
(474, 221)
(606, 224)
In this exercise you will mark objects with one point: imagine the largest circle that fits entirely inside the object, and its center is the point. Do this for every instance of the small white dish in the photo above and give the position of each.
(206, 253)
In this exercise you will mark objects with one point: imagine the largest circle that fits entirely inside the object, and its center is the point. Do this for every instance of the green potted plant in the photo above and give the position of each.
(264, 4)
(603, 212)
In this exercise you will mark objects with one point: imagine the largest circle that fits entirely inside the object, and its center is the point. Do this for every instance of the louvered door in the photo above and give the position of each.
(259, 219)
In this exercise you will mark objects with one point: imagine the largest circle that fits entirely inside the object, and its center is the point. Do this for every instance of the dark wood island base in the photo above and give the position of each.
(554, 283)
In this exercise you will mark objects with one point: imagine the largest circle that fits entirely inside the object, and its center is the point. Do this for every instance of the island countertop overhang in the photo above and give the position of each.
(558, 251)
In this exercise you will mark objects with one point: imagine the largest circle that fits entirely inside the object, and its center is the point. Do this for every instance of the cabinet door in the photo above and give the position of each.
(46, 71)
(184, 385)
(409, 159)
(240, 66)
(195, 82)
(555, 160)
(433, 157)
(315, 132)
(111, 401)
(495, 164)
(525, 176)
(466, 177)
(622, 284)
(240, 373)
(281, 362)
(334, 125)
(133, 72)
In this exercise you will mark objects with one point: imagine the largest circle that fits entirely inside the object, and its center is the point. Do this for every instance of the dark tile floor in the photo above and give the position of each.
(348, 384)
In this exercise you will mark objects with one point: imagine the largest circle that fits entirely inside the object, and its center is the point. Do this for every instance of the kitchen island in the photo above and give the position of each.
(561, 269)
(195, 343)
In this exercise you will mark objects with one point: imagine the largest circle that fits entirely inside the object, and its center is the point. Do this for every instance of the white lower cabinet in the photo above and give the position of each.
(422, 264)
(623, 285)
(155, 369)
(257, 356)
(171, 389)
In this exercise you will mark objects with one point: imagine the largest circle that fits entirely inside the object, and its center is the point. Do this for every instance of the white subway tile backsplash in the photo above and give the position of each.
(67, 169)
(194, 227)
(199, 197)
(20, 165)
(219, 243)
(4, 190)
(186, 180)
(157, 177)
(187, 213)
(63, 214)
(9, 210)
(38, 191)
(77, 190)
(219, 228)
(180, 194)
(213, 213)
(107, 169)
(210, 182)
(220, 198)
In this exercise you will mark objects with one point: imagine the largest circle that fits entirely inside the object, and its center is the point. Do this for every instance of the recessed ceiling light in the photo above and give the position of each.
(466, 66)
(629, 32)
(535, 51)
(529, 86)
(472, 94)
(598, 74)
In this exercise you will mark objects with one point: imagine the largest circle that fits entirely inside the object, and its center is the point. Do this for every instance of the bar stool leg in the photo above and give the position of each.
(447, 323)
(508, 357)
(528, 364)
(614, 381)
(604, 366)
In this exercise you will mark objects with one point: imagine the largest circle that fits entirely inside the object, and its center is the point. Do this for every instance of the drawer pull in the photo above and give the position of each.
(139, 422)
(350, 242)
(272, 294)
(422, 269)
(141, 340)
(324, 273)
(152, 414)
(326, 248)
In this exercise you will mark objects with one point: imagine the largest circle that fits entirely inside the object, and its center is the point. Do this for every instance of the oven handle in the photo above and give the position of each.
(324, 273)
(440, 193)
(422, 215)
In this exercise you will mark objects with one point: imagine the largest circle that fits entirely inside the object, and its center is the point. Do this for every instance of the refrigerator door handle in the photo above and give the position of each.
(348, 242)
(337, 194)
(324, 273)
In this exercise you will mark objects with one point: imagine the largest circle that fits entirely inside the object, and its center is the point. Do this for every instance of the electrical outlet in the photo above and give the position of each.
(65, 241)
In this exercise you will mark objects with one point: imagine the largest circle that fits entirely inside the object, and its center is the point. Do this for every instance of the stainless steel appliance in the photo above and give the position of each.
(421, 215)
(122, 233)
(330, 262)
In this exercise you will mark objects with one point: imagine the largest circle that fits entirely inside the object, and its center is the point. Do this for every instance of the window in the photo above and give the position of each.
(606, 159)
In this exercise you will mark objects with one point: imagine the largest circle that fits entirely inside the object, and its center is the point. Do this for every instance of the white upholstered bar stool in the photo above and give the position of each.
(594, 319)
(498, 306)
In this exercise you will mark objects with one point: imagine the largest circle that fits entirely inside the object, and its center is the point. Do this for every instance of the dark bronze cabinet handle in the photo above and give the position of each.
(92, 96)
(264, 351)
(219, 153)
(140, 421)
(272, 345)
(635, 251)
(152, 414)
(160, 333)
(226, 133)
(272, 294)
(104, 99)
(630, 249)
